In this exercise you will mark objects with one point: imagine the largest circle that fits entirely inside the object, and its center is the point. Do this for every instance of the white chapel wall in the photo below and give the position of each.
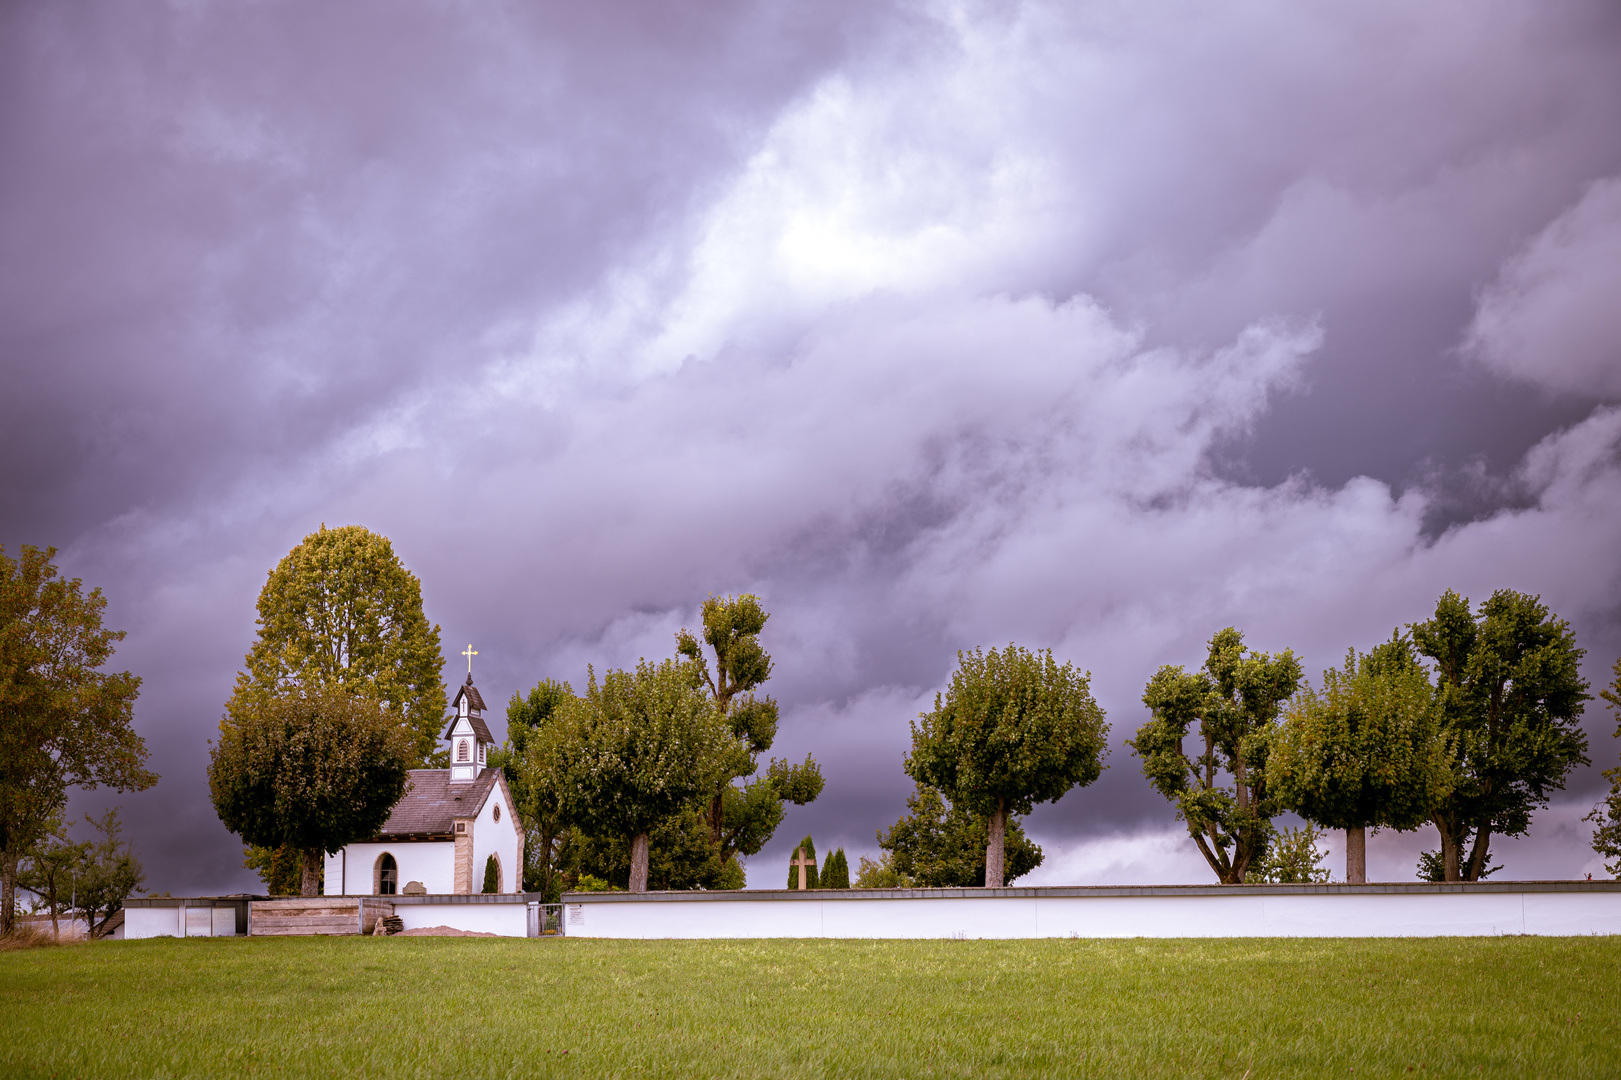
(498, 838)
(349, 872)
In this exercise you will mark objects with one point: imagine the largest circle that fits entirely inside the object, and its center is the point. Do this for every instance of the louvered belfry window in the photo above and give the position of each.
(461, 750)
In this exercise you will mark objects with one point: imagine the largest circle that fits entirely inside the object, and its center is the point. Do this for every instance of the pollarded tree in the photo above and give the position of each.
(633, 749)
(1606, 816)
(64, 722)
(315, 768)
(1366, 751)
(340, 607)
(1013, 729)
(1511, 700)
(1232, 707)
(742, 818)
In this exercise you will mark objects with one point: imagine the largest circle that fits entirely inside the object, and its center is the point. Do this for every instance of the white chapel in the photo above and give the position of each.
(449, 824)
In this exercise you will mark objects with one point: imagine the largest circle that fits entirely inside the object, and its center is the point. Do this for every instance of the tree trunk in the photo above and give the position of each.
(1356, 856)
(995, 845)
(1449, 853)
(8, 893)
(1477, 857)
(312, 867)
(638, 863)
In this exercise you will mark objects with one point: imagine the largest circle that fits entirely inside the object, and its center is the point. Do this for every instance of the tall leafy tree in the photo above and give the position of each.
(529, 763)
(1512, 695)
(1606, 816)
(1014, 728)
(312, 767)
(64, 722)
(1365, 751)
(940, 845)
(743, 816)
(635, 748)
(340, 607)
(1230, 708)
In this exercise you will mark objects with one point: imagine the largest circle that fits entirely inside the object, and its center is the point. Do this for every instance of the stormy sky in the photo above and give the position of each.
(1096, 327)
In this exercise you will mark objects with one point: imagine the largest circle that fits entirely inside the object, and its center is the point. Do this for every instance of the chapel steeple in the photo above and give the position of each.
(469, 736)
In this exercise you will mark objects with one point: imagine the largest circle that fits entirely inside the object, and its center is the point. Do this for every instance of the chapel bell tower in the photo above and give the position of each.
(468, 735)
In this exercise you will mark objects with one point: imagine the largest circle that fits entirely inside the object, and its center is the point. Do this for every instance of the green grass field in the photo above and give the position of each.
(432, 1007)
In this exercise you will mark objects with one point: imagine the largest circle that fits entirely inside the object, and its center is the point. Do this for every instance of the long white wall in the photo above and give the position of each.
(506, 920)
(1347, 912)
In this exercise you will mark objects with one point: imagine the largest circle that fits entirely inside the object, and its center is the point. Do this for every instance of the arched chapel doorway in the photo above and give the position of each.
(387, 876)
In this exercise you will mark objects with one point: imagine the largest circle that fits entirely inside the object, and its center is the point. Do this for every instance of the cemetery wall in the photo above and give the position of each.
(1393, 910)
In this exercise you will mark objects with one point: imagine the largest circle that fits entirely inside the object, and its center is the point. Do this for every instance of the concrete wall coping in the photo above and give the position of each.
(1394, 887)
(189, 901)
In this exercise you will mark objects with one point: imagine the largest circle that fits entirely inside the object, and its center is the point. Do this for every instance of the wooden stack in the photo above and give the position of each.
(313, 915)
(390, 925)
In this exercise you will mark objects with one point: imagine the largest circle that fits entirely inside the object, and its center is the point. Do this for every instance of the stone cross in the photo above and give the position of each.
(802, 861)
(469, 652)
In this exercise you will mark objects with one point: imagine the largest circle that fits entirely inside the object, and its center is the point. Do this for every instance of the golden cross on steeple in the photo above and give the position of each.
(469, 652)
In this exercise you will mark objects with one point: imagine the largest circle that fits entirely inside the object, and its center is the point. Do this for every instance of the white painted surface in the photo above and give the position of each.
(145, 922)
(507, 920)
(1343, 914)
(223, 923)
(350, 871)
(498, 838)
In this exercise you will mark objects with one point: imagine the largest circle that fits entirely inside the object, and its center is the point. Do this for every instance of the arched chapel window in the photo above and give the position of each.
(388, 875)
(461, 750)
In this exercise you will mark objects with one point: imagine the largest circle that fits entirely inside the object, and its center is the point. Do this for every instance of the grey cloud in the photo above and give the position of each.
(1550, 318)
(1096, 329)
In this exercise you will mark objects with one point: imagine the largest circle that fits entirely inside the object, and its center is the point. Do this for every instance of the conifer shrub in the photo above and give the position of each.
(808, 846)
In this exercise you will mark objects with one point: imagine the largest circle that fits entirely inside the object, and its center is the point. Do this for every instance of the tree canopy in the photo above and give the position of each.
(1512, 696)
(527, 759)
(64, 722)
(1013, 729)
(637, 746)
(1365, 751)
(340, 607)
(314, 767)
(1232, 707)
(742, 818)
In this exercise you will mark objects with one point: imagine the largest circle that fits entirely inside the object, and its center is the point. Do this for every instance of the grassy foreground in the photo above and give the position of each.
(429, 1007)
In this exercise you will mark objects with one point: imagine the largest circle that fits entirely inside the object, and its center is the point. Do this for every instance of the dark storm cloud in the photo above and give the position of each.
(1096, 329)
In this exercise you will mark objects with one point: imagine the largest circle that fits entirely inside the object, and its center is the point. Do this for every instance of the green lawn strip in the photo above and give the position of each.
(498, 1008)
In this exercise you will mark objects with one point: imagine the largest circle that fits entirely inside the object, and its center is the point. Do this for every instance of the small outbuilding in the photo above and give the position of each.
(449, 824)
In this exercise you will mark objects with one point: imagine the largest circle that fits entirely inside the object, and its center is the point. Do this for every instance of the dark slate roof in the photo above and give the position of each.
(432, 803)
(475, 700)
(480, 728)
